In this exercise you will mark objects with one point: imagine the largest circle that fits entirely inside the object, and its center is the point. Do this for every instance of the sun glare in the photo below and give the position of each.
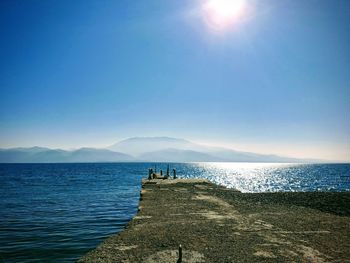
(222, 14)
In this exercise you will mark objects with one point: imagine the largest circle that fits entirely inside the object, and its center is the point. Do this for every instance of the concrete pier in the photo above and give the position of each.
(216, 224)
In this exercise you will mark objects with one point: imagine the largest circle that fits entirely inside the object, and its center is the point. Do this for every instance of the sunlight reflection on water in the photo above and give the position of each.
(273, 177)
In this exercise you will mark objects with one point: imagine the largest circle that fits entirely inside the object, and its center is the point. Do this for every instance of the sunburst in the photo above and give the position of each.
(222, 14)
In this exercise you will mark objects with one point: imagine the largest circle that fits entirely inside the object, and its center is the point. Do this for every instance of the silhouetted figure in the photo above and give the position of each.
(174, 172)
(167, 172)
(180, 253)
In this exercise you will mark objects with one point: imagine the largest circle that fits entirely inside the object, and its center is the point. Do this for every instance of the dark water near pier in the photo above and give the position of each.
(58, 212)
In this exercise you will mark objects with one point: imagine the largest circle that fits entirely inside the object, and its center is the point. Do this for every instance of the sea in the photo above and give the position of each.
(58, 212)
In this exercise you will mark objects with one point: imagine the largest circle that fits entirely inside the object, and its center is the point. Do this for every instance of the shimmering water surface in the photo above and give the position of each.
(58, 212)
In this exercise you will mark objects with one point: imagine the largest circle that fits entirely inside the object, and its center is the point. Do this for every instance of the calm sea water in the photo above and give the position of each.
(58, 212)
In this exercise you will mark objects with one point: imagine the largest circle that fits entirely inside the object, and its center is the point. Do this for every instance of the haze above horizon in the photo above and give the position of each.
(268, 77)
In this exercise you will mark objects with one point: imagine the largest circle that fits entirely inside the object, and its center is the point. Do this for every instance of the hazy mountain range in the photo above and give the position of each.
(148, 149)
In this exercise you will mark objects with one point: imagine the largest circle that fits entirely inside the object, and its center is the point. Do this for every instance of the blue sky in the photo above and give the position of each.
(89, 73)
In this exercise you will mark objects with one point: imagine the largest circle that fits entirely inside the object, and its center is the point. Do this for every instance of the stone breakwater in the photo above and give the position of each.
(216, 224)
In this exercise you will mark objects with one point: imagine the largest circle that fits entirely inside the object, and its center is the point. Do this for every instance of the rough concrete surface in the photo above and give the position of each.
(216, 224)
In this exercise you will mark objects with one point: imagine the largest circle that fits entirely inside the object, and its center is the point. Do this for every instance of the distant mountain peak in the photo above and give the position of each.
(154, 138)
(46, 155)
(138, 145)
(31, 149)
(163, 148)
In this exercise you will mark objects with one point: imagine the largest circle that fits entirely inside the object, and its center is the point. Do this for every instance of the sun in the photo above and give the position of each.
(222, 14)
